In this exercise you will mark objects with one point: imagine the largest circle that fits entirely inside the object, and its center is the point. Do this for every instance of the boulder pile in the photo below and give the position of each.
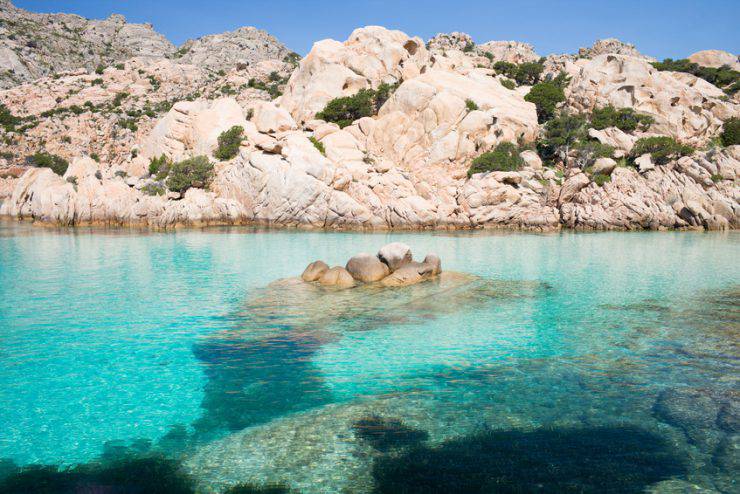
(392, 266)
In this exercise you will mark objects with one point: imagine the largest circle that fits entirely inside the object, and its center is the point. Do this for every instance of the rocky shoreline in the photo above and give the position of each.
(380, 132)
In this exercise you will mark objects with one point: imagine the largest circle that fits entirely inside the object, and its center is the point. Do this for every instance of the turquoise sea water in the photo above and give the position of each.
(175, 341)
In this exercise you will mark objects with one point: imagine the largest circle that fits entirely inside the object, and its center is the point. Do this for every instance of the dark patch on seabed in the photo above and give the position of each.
(584, 460)
(253, 381)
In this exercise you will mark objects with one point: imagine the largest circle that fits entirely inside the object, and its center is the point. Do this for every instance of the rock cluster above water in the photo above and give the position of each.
(392, 266)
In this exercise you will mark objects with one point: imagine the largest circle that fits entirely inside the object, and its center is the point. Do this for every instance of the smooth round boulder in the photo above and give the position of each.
(337, 276)
(314, 271)
(395, 255)
(367, 268)
(435, 262)
(403, 276)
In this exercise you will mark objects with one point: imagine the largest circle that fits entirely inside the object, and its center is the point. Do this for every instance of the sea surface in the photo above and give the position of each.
(563, 362)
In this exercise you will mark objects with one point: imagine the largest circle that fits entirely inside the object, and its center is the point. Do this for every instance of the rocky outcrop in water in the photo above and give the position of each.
(392, 266)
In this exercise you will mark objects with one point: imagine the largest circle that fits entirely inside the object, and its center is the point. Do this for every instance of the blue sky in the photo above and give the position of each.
(660, 28)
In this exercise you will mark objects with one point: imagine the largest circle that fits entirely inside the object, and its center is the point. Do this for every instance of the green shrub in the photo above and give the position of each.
(194, 172)
(588, 151)
(601, 178)
(545, 96)
(45, 160)
(128, 123)
(292, 58)
(716, 177)
(383, 93)
(97, 82)
(121, 174)
(72, 180)
(7, 119)
(365, 103)
(526, 73)
(505, 157)
(154, 189)
(661, 149)
(345, 110)
(508, 83)
(731, 132)
(95, 157)
(470, 105)
(318, 145)
(724, 77)
(99, 69)
(120, 66)
(625, 119)
(229, 142)
(469, 47)
(159, 165)
(560, 134)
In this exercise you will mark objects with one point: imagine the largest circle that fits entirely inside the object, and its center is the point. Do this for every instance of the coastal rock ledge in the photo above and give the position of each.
(446, 138)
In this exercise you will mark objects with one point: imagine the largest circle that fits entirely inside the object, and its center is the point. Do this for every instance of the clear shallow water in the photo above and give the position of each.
(173, 340)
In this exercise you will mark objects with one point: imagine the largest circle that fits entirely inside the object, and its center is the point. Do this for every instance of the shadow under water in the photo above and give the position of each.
(262, 369)
(598, 460)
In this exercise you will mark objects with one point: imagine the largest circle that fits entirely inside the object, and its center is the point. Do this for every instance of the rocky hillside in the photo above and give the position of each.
(240, 48)
(382, 130)
(35, 45)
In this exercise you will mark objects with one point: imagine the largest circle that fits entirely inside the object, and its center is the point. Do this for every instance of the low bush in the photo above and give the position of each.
(588, 151)
(318, 145)
(546, 96)
(661, 149)
(99, 69)
(470, 105)
(228, 143)
(601, 178)
(469, 47)
(7, 119)
(560, 135)
(45, 160)
(625, 119)
(343, 111)
(508, 83)
(154, 189)
(365, 103)
(159, 165)
(731, 132)
(194, 172)
(528, 73)
(505, 157)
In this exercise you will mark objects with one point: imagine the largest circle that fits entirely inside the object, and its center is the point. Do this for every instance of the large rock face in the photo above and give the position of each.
(715, 58)
(246, 46)
(426, 121)
(683, 106)
(332, 69)
(405, 167)
(612, 46)
(510, 51)
(33, 45)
